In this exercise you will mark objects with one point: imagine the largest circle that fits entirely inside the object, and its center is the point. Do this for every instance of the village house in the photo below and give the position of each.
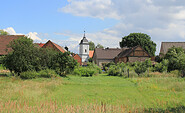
(50, 44)
(166, 45)
(133, 54)
(103, 56)
(4, 41)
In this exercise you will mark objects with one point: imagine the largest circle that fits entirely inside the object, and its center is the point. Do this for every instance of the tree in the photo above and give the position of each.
(175, 58)
(91, 45)
(144, 40)
(2, 32)
(99, 46)
(23, 57)
(63, 63)
(27, 57)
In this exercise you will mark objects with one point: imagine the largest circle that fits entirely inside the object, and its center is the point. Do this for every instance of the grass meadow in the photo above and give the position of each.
(97, 94)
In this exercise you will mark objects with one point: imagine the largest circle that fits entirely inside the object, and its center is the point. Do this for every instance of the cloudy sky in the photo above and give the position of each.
(105, 21)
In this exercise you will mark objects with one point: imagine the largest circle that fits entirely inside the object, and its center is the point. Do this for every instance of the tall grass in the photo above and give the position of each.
(92, 94)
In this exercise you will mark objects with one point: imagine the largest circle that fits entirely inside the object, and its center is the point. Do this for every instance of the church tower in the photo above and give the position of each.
(84, 49)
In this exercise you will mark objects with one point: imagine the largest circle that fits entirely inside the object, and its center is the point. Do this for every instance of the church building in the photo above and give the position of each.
(84, 50)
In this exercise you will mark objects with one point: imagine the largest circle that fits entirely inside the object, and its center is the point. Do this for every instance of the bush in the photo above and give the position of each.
(117, 70)
(48, 73)
(162, 66)
(85, 71)
(140, 67)
(29, 75)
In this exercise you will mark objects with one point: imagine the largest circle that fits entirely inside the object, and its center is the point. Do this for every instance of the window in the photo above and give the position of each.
(85, 50)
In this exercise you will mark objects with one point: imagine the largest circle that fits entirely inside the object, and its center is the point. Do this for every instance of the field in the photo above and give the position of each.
(92, 94)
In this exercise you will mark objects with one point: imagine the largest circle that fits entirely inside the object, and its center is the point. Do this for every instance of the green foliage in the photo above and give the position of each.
(140, 67)
(2, 32)
(29, 75)
(90, 70)
(23, 57)
(27, 57)
(148, 63)
(84, 71)
(48, 73)
(63, 63)
(99, 46)
(117, 70)
(91, 45)
(162, 66)
(144, 40)
(90, 60)
(106, 66)
(176, 58)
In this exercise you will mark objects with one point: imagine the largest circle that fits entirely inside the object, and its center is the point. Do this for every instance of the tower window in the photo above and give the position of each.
(85, 50)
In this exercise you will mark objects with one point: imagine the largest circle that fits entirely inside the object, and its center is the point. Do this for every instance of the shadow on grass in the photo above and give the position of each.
(179, 109)
(3, 75)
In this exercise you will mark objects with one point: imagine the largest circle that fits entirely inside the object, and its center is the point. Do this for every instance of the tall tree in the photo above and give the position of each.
(99, 46)
(144, 40)
(2, 32)
(91, 45)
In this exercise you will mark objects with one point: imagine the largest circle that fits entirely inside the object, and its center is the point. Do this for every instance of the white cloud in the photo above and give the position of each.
(163, 20)
(32, 35)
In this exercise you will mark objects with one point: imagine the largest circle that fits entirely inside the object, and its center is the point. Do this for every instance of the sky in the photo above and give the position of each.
(105, 21)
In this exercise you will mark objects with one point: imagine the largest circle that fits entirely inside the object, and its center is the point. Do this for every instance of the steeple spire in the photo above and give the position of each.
(84, 33)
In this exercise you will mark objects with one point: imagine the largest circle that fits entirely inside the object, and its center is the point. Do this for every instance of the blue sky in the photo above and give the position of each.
(105, 21)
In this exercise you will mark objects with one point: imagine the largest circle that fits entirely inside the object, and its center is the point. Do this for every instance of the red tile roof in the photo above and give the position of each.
(55, 46)
(5, 40)
(91, 54)
(40, 44)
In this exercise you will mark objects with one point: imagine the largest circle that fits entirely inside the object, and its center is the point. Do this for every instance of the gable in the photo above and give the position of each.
(137, 51)
(54, 46)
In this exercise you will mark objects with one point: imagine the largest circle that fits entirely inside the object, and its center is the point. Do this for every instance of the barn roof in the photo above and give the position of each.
(5, 40)
(166, 45)
(108, 53)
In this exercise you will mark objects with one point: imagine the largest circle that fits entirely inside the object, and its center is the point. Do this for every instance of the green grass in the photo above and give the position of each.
(113, 93)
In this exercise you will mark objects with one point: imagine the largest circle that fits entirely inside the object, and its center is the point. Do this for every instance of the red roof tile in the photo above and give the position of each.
(55, 46)
(91, 54)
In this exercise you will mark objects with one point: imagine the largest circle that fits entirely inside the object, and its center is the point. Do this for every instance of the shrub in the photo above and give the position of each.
(84, 71)
(140, 67)
(29, 75)
(162, 66)
(117, 70)
(48, 73)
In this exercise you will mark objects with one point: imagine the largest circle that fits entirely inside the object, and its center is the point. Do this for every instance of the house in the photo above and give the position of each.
(102, 56)
(133, 54)
(51, 44)
(166, 45)
(117, 55)
(4, 41)
(77, 58)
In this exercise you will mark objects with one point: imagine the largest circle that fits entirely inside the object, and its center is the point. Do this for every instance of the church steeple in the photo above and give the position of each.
(84, 34)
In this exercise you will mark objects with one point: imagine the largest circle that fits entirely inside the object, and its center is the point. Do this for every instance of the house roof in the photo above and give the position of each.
(55, 45)
(166, 45)
(40, 44)
(108, 53)
(5, 40)
(91, 54)
(127, 51)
